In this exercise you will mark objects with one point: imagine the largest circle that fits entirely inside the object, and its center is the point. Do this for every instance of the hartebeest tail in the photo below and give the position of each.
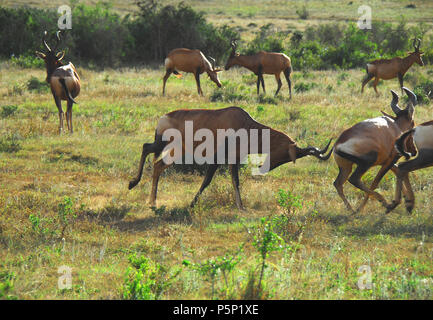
(263, 63)
(418, 145)
(234, 122)
(63, 79)
(192, 61)
(391, 68)
(371, 143)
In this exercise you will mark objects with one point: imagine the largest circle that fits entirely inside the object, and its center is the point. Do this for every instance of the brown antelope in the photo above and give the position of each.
(192, 61)
(63, 79)
(390, 68)
(417, 143)
(371, 143)
(282, 148)
(263, 63)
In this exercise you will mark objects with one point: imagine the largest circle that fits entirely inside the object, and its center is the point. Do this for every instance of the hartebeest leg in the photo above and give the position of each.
(289, 82)
(59, 107)
(260, 80)
(345, 168)
(355, 180)
(404, 168)
(277, 77)
(366, 80)
(197, 80)
(234, 170)
(158, 168)
(376, 81)
(164, 80)
(400, 80)
(209, 175)
(69, 116)
(383, 170)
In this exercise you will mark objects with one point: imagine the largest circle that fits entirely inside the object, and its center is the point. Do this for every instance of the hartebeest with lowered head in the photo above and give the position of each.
(371, 143)
(63, 79)
(416, 143)
(192, 61)
(263, 63)
(233, 121)
(391, 68)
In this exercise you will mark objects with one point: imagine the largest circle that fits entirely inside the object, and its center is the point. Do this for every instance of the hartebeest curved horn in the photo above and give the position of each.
(44, 41)
(394, 103)
(320, 154)
(412, 97)
(212, 62)
(58, 40)
(60, 55)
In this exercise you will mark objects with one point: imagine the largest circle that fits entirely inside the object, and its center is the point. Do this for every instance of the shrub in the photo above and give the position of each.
(34, 84)
(10, 143)
(7, 111)
(146, 279)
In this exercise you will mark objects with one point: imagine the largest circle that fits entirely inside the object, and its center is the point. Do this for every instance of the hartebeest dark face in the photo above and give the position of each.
(52, 60)
(232, 58)
(213, 75)
(416, 55)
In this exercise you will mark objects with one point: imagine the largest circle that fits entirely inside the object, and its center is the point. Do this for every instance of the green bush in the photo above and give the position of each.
(7, 111)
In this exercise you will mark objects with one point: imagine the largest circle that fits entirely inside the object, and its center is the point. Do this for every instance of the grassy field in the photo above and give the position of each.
(64, 199)
(249, 15)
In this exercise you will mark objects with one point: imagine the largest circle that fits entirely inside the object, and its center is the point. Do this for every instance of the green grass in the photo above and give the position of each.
(116, 114)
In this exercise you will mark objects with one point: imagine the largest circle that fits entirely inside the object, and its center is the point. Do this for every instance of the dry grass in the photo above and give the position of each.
(117, 112)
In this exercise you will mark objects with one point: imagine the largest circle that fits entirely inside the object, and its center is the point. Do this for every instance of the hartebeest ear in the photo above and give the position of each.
(410, 111)
(40, 55)
(388, 115)
(292, 152)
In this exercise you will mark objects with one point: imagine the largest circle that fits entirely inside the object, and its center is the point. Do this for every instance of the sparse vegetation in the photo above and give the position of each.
(307, 246)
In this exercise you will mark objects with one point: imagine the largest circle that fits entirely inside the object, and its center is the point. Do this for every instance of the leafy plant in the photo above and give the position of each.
(66, 213)
(7, 111)
(265, 241)
(146, 279)
(210, 268)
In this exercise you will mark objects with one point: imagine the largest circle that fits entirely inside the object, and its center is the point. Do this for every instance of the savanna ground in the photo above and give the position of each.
(64, 199)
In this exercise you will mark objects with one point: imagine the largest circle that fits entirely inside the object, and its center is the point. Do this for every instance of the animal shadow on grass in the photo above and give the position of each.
(391, 225)
(108, 215)
(162, 215)
(60, 155)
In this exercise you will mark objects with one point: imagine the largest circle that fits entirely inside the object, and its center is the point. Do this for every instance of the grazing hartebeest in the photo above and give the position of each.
(371, 143)
(63, 79)
(417, 143)
(390, 68)
(263, 63)
(192, 61)
(282, 148)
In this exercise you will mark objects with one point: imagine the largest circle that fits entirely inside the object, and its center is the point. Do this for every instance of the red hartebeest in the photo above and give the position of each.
(192, 61)
(416, 143)
(63, 79)
(263, 63)
(282, 148)
(371, 143)
(391, 68)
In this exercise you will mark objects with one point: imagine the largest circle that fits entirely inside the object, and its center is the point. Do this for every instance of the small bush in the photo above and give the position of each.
(304, 87)
(146, 279)
(10, 143)
(303, 13)
(7, 111)
(34, 84)
(27, 61)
